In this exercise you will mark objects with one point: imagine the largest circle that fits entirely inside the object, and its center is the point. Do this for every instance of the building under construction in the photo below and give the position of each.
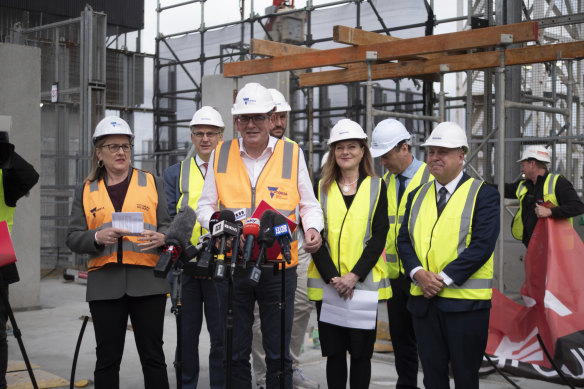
(511, 74)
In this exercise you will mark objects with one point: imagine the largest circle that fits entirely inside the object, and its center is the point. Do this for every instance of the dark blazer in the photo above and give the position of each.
(485, 230)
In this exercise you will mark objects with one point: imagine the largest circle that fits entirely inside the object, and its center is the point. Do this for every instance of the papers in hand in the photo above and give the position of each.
(359, 312)
(131, 221)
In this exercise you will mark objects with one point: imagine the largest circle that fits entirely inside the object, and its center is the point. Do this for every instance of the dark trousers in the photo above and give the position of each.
(3, 340)
(267, 294)
(456, 337)
(110, 318)
(403, 337)
(198, 296)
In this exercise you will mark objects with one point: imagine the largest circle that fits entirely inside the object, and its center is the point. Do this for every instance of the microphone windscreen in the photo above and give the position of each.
(251, 227)
(267, 235)
(213, 220)
(180, 230)
(226, 215)
(279, 220)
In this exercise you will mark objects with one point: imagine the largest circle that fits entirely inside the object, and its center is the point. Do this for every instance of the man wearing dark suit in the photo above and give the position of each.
(446, 243)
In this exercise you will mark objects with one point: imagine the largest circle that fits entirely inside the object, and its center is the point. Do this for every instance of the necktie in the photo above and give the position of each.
(205, 165)
(402, 187)
(441, 200)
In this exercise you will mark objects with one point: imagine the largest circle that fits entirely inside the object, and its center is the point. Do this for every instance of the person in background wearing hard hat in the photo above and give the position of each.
(446, 243)
(354, 202)
(17, 178)
(245, 172)
(120, 282)
(537, 188)
(389, 142)
(302, 305)
(183, 184)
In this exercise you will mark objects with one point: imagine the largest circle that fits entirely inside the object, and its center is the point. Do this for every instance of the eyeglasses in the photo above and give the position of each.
(201, 135)
(258, 119)
(114, 148)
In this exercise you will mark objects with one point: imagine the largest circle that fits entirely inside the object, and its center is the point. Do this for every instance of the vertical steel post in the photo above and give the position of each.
(500, 108)
(569, 102)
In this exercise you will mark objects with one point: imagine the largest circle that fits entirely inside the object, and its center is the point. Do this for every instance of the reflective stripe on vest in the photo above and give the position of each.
(549, 194)
(422, 175)
(191, 185)
(6, 212)
(277, 183)
(438, 242)
(140, 197)
(347, 232)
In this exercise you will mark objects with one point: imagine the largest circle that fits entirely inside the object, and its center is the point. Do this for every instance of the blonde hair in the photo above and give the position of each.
(331, 171)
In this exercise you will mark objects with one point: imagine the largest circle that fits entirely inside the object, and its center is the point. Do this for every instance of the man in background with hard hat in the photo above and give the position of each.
(302, 306)
(540, 194)
(246, 171)
(389, 142)
(183, 185)
(446, 243)
(17, 178)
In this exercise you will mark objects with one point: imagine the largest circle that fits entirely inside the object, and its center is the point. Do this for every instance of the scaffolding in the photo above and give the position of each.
(503, 107)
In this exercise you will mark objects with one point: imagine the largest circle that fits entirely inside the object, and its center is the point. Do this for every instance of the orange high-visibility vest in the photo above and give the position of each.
(141, 197)
(277, 183)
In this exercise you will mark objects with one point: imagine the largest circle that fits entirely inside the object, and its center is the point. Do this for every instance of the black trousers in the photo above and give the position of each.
(458, 338)
(110, 318)
(403, 337)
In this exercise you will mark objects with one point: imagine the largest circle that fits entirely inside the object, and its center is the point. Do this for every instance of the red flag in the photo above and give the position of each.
(554, 272)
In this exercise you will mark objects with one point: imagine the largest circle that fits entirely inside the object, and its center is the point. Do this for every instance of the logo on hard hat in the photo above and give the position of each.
(247, 100)
(114, 124)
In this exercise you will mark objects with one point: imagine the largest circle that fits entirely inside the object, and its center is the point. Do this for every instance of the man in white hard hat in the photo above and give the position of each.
(183, 185)
(245, 171)
(302, 306)
(446, 243)
(389, 142)
(540, 193)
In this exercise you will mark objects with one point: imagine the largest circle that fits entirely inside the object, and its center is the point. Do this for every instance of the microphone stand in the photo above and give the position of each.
(177, 273)
(16, 330)
(282, 325)
(229, 318)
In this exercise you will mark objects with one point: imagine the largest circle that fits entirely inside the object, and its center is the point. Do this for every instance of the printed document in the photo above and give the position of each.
(358, 312)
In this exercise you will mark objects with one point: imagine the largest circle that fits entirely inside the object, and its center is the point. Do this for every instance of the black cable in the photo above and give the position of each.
(501, 372)
(547, 354)
(76, 355)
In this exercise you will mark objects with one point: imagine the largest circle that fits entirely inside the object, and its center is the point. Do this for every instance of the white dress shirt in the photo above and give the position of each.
(310, 210)
(450, 188)
(200, 164)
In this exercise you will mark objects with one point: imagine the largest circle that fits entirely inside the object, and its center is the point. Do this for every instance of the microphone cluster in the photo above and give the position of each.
(208, 258)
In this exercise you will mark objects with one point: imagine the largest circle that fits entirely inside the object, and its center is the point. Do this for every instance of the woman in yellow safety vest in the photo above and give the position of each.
(354, 203)
(120, 281)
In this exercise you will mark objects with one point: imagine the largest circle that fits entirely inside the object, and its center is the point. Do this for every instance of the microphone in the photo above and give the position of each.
(207, 255)
(251, 230)
(282, 232)
(235, 246)
(225, 228)
(266, 239)
(178, 236)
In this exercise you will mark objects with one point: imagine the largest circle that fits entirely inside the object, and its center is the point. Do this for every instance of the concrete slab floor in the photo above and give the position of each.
(50, 335)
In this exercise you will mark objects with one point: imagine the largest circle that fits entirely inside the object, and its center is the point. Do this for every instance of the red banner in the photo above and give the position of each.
(554, 308)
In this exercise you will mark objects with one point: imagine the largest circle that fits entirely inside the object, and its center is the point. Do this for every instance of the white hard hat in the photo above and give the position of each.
(386, 135)
(112, 125)
(207, 116)
(346, 129)
(323, 160)
(280, 101)
(537, 152)
(252, 98)
(449, 135)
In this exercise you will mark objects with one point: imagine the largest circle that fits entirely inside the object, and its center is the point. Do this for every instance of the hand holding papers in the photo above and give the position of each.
(129, 221)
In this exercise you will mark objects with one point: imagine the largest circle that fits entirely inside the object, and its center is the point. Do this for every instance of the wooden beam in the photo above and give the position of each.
(276, 49)
(457, 63)
(354, 36)
(484, 37)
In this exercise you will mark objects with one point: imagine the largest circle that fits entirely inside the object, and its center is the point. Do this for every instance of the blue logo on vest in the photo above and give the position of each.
(275, 192)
